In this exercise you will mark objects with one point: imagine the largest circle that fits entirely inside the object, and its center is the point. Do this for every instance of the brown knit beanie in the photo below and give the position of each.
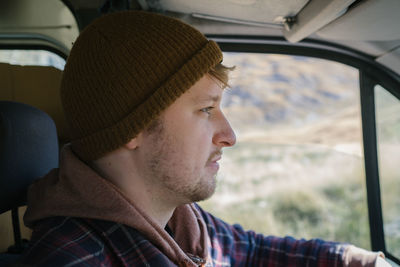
(123, 70)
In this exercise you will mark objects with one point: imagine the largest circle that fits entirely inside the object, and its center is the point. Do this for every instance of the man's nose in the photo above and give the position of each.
(224, 136)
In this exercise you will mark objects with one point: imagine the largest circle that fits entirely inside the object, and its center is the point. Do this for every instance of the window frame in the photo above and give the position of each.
(371, 73)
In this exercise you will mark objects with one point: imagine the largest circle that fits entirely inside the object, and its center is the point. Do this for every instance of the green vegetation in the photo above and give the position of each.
(296, 200)
(388, 128)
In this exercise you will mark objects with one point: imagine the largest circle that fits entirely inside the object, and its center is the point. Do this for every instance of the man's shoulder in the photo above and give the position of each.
(61, 241)
(66, 241)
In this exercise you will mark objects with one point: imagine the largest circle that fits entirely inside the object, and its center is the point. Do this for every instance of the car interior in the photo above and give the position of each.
(364, 34)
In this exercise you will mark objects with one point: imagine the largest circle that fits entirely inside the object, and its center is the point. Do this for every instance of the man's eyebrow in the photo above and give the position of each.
(208, 98)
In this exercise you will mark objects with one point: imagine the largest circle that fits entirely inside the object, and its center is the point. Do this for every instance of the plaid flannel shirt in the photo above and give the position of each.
(66, 241)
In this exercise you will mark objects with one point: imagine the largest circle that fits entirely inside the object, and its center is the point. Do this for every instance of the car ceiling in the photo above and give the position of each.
(369, 26)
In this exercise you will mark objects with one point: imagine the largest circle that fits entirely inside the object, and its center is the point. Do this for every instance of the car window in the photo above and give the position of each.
(298, 167)
(387, 110)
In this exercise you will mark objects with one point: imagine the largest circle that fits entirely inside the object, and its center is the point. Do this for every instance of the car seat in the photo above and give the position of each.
(28, 150)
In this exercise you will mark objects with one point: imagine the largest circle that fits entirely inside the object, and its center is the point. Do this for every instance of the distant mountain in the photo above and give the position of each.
(278, 92)
(288, 87)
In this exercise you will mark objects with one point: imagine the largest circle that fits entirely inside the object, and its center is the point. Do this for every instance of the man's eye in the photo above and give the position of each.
(207, 110)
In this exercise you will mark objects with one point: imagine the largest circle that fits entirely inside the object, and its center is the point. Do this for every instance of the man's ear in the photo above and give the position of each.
(134, 142)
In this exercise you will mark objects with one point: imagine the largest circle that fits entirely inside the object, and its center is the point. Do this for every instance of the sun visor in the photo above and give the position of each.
(369, 20)
(315, 15)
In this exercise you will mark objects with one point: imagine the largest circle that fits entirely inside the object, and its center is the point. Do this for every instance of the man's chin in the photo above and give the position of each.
(206, 192)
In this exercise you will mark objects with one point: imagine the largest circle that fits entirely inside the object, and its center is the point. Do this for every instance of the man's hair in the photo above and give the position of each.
(221, 73)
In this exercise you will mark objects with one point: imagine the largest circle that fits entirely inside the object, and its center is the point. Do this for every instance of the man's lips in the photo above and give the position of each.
(212, 161)
(216, 159)
(215, 156)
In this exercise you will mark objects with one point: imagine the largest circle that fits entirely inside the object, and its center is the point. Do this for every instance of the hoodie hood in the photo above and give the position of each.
(76, 190)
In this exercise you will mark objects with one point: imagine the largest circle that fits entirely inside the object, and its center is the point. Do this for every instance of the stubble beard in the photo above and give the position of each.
(178, 181)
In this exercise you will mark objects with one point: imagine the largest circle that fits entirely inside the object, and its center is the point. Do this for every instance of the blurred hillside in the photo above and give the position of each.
(297, 99)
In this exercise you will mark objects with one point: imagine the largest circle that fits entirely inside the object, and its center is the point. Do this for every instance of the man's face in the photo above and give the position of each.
(181, 151)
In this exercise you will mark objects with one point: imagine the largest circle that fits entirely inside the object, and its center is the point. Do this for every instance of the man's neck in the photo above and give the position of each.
(147, 200)
(145, 196)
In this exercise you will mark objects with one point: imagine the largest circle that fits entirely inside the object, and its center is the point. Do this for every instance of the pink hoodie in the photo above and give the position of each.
(76, 190)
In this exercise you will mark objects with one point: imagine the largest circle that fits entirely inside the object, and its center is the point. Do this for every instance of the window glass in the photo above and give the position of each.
(32, 57)
(297, 168)
(388, 134)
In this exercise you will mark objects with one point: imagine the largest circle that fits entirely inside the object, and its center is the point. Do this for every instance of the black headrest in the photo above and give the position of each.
(28, 150)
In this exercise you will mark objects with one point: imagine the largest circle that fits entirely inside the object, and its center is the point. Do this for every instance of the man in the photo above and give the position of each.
(141, 93)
